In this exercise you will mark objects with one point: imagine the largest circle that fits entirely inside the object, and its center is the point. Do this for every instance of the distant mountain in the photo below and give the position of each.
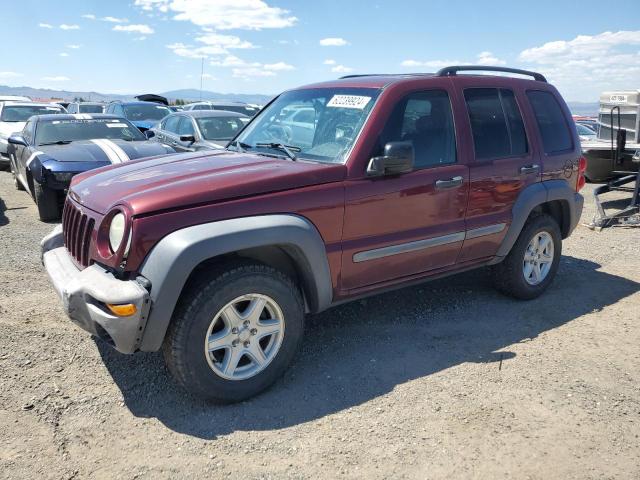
(588, 109)
(186, 94)
(193, 94)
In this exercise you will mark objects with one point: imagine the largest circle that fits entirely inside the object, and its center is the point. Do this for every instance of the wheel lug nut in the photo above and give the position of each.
(246, 344)
(246, 323)
(234, 343)
(234, 330)
(254, 331)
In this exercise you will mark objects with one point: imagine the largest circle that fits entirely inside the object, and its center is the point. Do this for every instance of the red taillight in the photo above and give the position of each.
(582, 167)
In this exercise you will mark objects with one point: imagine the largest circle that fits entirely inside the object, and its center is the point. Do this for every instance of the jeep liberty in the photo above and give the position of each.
(379, 182)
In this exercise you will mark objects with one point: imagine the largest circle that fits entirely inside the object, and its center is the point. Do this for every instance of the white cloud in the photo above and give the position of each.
(341, 69)
(74, 47)
(223, 14)
(189, 51)
(45, 25)
(248, 70)
(329, 62)
(59, 78)
(588, 64)
(224, 41)
(137, 28)
(90, 16)
(483, 58)
(487, 58)
(63, 54)
(333, 42)
(114, 20)
(140, 39)
(10, 75)
(279, 67)
(207, 76)
(64, 26)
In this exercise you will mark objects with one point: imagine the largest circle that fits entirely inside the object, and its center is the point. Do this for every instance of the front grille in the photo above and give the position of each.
(76, 229)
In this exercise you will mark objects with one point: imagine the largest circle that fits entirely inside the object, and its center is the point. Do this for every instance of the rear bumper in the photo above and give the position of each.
(84, 294)
(575, 212)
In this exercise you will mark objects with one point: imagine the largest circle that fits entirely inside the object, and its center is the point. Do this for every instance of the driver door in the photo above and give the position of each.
(398, 227)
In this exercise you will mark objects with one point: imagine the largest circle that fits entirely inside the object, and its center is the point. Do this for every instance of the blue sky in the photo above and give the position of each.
(266, 46)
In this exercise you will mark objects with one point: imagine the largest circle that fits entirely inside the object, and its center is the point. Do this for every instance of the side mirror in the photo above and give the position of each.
(149, 134)
(17, 140)
(398, 158)
(187, 138)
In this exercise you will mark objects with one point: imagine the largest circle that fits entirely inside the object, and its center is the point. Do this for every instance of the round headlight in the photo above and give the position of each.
(116, 231)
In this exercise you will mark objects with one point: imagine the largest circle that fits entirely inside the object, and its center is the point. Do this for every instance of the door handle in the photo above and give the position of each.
(529, 169)
(449, 183)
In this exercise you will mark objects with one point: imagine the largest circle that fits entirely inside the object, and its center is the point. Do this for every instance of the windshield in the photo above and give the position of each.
(21, 113)
(53, 131)
(324, 130)
(245, 110)
(219, 128)
(146, 112)
(583, 130)
(88, 108)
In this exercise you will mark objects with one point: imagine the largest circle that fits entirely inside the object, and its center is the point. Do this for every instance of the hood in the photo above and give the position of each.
(102, 150)
(175, 181)
(7, 128)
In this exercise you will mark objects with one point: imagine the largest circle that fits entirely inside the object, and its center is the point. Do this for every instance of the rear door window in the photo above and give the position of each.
(171, 124)
(185, 127)
(552, 124)
(496, 123)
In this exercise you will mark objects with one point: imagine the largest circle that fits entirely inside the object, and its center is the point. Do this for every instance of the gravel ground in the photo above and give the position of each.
(448, 379)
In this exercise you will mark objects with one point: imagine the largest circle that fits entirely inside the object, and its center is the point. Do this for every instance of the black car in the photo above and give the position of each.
(198, 130)
(51, 149)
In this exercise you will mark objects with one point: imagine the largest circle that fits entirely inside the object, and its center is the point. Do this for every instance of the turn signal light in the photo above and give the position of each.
(582, 167)
(125, 310)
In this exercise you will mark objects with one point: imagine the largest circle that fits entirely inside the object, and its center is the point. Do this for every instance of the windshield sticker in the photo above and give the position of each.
(349, 101)
(116, 125)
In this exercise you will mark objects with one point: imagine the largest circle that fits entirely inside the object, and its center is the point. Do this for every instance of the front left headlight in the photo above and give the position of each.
(116, 231)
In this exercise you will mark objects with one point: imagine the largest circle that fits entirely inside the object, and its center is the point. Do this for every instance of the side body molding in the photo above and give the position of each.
(533, 196)
(174, 258)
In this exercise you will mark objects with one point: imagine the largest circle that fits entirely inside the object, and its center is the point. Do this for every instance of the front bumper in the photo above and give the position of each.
(84, 294)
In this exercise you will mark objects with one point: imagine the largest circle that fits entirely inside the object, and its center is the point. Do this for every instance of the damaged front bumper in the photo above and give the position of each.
(86, 293)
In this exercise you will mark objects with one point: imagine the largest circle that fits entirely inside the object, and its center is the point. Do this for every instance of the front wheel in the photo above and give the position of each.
(532, 263)
(46, 201)
(235, 333)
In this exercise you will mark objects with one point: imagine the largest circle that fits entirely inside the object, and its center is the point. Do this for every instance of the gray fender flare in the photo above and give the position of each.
(533, 196)
(174, 258)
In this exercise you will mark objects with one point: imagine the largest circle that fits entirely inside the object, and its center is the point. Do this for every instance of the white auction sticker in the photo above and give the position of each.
(349, 101)
(116, 125)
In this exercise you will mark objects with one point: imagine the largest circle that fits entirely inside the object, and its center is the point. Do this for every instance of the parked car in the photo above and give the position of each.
(239, 107)
(85, 107)
(198, 130)
(13, 116)
(216, 257)
(585, 133)
(143, 115)
(175, 108)
(51, 149)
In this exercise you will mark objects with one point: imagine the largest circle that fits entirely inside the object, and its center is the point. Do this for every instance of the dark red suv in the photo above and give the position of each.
(334, 191)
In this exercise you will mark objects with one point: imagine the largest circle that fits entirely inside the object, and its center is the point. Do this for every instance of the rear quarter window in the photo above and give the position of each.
(552, 124)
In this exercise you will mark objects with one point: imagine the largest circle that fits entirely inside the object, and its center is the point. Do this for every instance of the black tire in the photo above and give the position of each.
(508, 276)
(183, 347)
(47, 202)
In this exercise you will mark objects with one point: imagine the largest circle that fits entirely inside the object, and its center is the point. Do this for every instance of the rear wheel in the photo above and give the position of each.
(234, 333)
(47, 202)
(532, 263)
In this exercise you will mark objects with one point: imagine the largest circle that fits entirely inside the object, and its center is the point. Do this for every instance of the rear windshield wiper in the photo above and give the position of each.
(59, 142)
(288, 149)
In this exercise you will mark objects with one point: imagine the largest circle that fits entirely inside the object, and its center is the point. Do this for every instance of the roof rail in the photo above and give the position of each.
(453, 70)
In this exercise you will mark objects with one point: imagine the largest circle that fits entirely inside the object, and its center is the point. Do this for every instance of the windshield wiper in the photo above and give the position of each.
(288, 149)
(239, 145)
(59, 142)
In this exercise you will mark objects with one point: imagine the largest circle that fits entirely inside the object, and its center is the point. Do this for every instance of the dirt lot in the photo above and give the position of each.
(449, 379)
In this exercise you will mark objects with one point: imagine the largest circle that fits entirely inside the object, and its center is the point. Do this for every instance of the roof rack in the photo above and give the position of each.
(453, 70)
